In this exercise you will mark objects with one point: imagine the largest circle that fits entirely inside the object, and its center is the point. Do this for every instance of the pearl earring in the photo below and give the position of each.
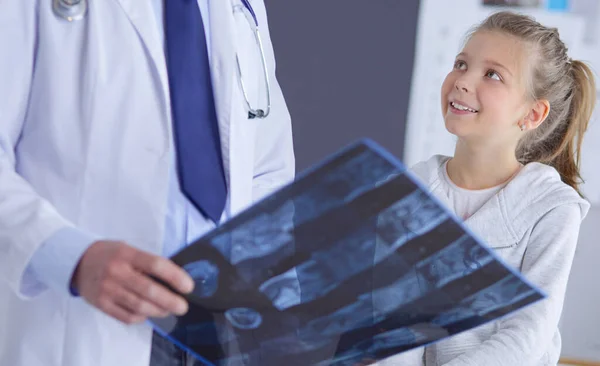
(522, 127)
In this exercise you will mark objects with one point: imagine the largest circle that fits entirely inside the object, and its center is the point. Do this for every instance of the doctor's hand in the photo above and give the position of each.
(115, 278)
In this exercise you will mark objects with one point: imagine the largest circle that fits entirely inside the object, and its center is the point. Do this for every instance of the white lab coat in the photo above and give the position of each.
(85, 141)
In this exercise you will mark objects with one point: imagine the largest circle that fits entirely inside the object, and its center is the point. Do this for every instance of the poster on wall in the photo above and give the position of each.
(517, 3)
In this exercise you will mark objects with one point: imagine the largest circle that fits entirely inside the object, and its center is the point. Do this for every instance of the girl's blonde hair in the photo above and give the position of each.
(568, 85)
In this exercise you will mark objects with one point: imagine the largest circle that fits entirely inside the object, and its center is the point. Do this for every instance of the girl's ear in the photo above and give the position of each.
(537, 114)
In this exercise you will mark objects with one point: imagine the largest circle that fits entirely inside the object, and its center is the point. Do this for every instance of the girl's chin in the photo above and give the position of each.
(456, 127)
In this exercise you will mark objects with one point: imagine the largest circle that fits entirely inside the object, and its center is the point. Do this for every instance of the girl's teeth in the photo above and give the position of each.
(462, 107)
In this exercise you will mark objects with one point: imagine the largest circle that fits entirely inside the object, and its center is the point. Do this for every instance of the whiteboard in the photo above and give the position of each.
(440, 34)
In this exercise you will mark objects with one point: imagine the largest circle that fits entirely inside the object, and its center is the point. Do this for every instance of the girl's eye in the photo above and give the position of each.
(493, 75)
(460, 65)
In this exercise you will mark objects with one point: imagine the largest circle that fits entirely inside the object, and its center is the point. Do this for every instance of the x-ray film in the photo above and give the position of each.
(352, 263)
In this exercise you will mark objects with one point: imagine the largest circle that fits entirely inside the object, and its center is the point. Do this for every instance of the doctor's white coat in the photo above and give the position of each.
(85, 140)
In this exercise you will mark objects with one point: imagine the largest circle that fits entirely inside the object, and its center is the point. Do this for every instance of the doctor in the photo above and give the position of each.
(128, 128)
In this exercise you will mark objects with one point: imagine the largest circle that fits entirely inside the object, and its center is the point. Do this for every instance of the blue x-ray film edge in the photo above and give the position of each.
(179, 344)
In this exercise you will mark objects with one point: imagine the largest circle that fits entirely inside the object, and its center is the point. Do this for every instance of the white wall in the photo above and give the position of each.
(581, 316)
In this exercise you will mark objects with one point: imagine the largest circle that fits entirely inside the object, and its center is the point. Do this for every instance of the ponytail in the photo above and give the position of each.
(565, 155)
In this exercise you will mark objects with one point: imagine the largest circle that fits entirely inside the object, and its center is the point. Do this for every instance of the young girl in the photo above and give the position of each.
(519, 107)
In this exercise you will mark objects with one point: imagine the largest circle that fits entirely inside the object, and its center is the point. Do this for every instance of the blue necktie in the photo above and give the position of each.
(196, 132)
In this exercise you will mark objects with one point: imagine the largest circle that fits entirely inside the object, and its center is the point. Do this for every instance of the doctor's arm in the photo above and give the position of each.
(39, 248)
(26, 219)
(274, 152)
(523, 337)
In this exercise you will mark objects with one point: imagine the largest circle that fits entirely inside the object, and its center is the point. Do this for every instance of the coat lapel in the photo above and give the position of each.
(223, 71)
(142, 17)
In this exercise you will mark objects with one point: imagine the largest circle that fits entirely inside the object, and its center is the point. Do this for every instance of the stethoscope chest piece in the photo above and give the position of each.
(70, 9)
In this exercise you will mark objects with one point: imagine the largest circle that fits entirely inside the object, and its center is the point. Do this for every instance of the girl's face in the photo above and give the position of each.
(484, 97)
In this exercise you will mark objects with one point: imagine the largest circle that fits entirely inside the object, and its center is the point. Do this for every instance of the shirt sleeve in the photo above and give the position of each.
(55, 261)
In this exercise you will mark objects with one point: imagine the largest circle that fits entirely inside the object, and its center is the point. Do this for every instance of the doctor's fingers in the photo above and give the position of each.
(111, 308)
(132, 303)
(164, 270)
(152, 292)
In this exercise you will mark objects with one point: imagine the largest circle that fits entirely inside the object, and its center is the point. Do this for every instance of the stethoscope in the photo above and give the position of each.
(72, 10)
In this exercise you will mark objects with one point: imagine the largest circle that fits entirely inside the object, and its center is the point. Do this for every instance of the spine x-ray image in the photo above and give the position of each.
(353, 261)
